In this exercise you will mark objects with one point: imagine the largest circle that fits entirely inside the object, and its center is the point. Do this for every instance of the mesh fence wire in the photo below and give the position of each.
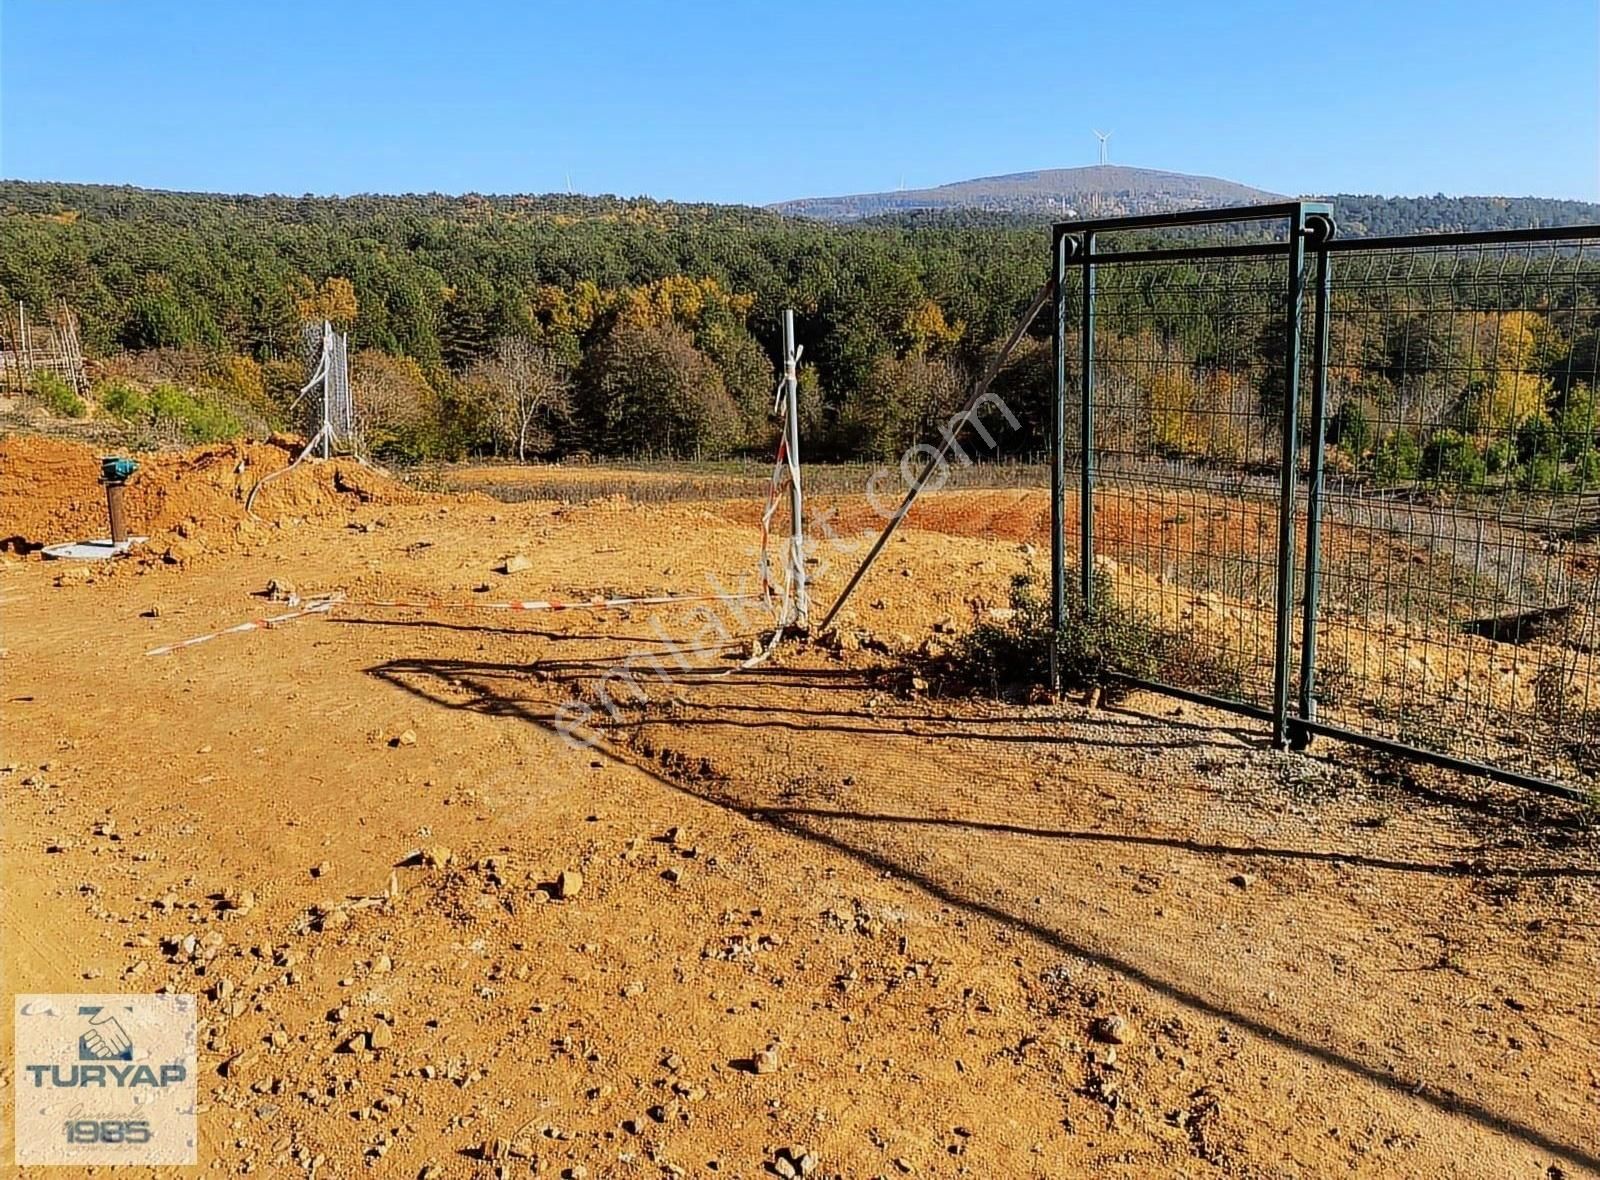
(1458, 585)
(1458, 589)
(1187, 397)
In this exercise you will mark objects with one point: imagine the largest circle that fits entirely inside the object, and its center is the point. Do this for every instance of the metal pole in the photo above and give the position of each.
(1058, 459)
(26, 354)
(1086, 428)
(1289, 460)
(114, 510)
(327, 381)
(1322, 232)
(797, 532)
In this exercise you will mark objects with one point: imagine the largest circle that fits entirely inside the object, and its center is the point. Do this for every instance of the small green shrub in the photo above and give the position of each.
(1350, 429)
(1586, 471)
(1093, 646)
(122, 400)
(1499, 457)
(1451, 458)
(1537, 438)
(193, 418)
(168, 412)
(1545, 474)
(1398, 456)
(58, 395)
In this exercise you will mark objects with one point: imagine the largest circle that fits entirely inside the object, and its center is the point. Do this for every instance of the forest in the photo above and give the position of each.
(555, 326)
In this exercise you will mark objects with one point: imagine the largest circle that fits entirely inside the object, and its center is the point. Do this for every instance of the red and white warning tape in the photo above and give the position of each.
(320, 606)
(552, 605)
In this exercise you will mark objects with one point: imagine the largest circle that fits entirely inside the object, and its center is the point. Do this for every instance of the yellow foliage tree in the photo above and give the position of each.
(1506, 400)
(682, 300)
(334, 301)
(925, 328)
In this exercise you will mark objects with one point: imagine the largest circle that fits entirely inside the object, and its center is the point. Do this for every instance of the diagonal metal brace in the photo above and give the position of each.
(979, 389)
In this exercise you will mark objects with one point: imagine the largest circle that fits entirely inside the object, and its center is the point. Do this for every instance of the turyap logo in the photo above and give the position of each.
(105, 1042)
(105, 1079)
(105, 1039)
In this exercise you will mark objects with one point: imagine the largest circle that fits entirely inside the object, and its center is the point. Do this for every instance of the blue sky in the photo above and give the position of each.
(757, 102)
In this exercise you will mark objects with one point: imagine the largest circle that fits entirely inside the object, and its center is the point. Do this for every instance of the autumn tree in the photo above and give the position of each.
(397, 410)
(526, 390)
(333, 300)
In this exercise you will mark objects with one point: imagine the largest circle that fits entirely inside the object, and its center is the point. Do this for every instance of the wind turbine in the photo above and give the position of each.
(1104, 137)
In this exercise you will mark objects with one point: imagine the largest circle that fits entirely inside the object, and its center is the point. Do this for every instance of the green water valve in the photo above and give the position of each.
(115, 470)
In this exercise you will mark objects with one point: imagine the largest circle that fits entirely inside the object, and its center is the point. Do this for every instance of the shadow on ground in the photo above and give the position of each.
(528, 693)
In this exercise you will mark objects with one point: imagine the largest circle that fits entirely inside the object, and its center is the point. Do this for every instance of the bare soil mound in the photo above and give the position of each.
(50, 490)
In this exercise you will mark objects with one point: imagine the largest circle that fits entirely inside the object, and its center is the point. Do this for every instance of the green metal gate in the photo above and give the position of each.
(1354, 482)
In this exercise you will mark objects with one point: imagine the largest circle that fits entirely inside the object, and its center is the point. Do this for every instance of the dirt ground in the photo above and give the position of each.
(820, 912)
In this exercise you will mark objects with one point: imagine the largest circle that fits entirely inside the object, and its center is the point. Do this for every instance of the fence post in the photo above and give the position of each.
(1058, 445)
(1086, 427)
(797, 515)
(1320, 230)
(1288, 459)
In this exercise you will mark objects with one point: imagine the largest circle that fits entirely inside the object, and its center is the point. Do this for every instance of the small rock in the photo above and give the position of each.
(1113, 1030)
(569, 884)
(408, 738)
(1242, 880)
(515, 564)
(322, 870)
(495, 1149)
(436, 857)
(766, 1061)
(381, 1036)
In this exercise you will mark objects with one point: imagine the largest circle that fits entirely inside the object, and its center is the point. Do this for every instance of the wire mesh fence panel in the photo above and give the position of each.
(1459, 589)
(1187, 403)
(1440, 592)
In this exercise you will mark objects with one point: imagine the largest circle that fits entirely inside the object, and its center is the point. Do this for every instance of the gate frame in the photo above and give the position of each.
(1310, 226)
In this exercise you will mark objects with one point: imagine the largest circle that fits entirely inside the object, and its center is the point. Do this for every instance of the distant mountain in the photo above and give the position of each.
(1100, 190)
(1110, 190)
